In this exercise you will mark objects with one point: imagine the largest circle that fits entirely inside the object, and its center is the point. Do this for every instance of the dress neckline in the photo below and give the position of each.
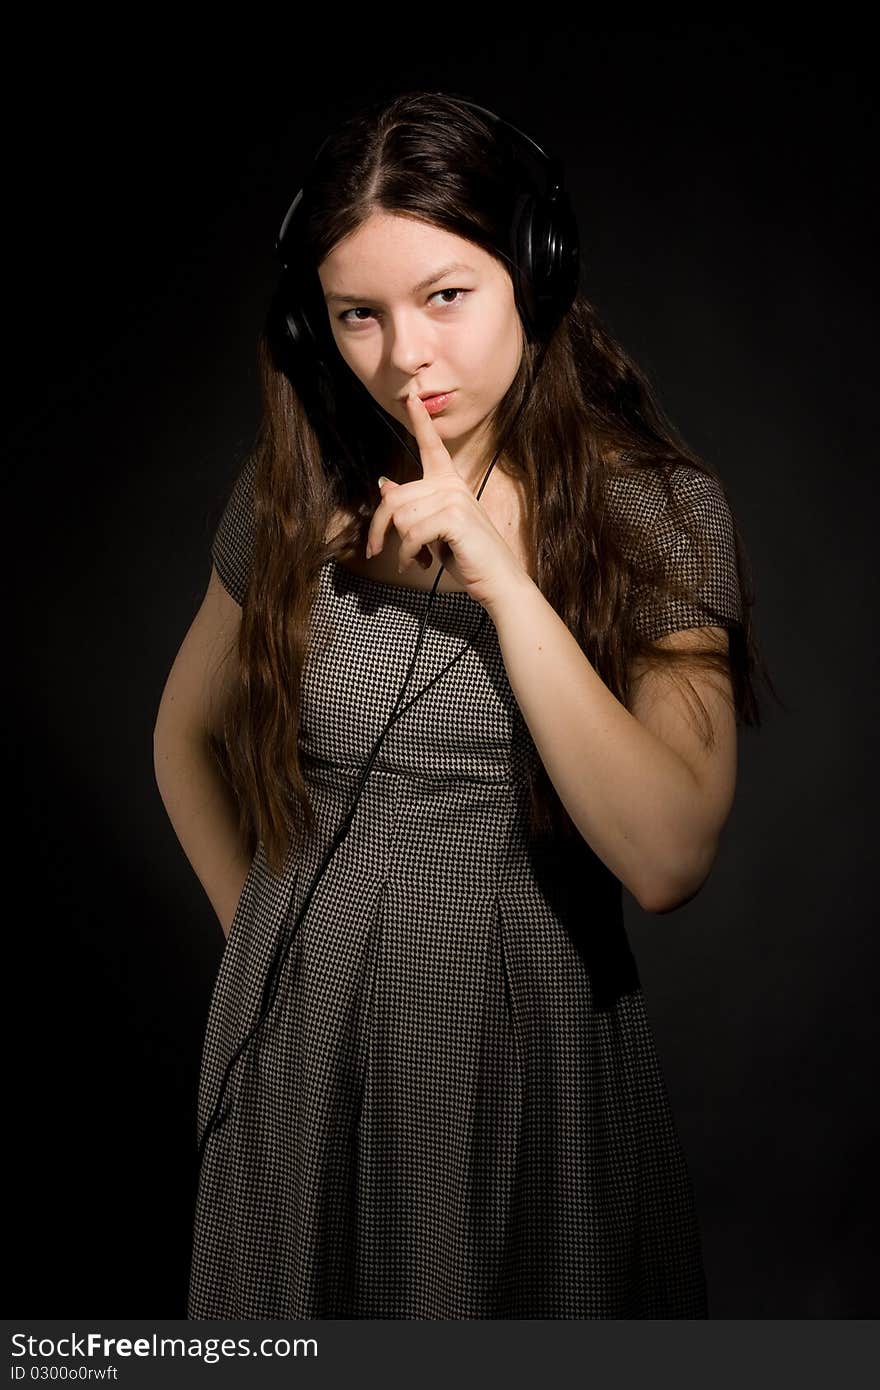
(387, 585)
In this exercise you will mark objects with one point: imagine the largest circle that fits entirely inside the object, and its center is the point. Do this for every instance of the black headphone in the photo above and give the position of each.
(544, 258)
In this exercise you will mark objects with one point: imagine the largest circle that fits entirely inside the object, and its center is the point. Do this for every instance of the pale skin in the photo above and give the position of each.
(640, 786)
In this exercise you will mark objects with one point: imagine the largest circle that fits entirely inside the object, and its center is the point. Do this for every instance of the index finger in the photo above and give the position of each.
(435, 455)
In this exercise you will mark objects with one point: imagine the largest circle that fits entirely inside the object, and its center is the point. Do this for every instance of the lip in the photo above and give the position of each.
(435, 402)
(426, 395)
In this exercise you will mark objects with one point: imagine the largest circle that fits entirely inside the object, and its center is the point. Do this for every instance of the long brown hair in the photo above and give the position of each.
(591, 449)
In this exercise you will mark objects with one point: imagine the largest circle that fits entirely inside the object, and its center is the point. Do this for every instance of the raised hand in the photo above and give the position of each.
(439, 512)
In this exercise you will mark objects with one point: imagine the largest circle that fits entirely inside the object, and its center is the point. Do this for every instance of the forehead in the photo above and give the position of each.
(393, 252)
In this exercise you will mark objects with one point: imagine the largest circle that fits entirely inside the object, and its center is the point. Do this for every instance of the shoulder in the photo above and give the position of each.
(655, 486)
(665, 502)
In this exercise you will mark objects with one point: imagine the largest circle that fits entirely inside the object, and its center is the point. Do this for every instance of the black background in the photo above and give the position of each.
(721, 178)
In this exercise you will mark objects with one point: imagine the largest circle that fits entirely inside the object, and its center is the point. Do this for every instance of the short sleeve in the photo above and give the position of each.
(232, 546)
(704, 557)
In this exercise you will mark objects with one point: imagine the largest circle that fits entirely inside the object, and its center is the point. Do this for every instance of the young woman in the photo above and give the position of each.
(420, 732)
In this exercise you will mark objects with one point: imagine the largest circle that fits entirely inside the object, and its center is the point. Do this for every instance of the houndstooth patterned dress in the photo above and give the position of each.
(455, 1108)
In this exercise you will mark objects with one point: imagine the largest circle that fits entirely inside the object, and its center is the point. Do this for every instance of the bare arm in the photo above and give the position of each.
(199, 802)
(644, 794)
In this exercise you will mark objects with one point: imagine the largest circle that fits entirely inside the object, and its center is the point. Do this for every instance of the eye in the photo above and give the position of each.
(449, 303)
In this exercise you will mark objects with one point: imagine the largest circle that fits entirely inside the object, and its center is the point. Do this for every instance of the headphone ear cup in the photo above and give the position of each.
(295, 348)
(524, 264)
(302, 348)
(295, 342)
(296, 333)
(563, 249)
(546, 248)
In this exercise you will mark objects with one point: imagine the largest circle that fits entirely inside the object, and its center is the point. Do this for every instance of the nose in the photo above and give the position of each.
(410, 350)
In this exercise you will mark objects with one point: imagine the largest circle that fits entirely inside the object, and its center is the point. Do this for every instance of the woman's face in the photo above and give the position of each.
(400, 326)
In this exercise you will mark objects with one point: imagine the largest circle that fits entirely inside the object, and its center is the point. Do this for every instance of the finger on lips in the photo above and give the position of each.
(425, 556)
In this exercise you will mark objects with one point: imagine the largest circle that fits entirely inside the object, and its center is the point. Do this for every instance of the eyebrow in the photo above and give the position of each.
(422, 285)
